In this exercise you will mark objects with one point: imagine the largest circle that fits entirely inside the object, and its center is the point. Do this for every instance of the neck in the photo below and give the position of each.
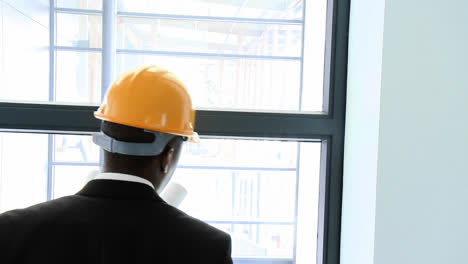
(146, 167)
(139, 171)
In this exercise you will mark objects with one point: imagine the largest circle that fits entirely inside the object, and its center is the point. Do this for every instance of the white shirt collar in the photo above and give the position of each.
(122, 177)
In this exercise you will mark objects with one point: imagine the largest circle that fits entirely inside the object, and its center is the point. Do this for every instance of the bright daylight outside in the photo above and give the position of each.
(249, 55)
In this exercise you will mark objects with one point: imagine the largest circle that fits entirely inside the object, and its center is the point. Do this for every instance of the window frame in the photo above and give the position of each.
(326, 127)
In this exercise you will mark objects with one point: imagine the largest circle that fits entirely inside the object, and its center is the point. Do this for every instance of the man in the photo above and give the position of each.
(118, 217)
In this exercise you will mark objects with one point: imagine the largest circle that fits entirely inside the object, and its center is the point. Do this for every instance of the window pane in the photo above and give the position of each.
(241, 153)
(233, 38)
(260, 240)
(230, 83)
(277, 9)
(75, 149)
(307, 213)
(25, 167)
(209, 37)
(246, 84)
(78, 77)
(258, 205)
(314, 56)
(68, 180)
(23, 170)
(84, 31)
(80, 4)
(242, 195)
(253, 195)
(24, 56)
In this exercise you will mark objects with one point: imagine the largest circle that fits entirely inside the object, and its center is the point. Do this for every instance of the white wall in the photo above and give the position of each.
(418, 173)
(362, 130)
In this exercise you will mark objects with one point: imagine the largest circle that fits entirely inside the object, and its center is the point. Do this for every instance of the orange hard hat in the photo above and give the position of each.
(150, 98)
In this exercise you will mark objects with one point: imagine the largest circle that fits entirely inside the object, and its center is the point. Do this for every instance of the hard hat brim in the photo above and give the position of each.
(193, 137)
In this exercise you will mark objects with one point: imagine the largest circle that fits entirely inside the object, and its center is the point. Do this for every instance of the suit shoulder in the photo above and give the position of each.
(192, 225)
(203, 240)
(36, 210)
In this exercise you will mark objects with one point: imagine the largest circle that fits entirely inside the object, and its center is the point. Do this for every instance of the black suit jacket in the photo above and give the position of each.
(109, 222)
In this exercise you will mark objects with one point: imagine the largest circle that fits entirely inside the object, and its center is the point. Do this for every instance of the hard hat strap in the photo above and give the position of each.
(131, 148)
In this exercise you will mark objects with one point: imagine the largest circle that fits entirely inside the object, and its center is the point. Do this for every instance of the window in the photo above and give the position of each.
(228, 185)
(268, 80)
(254, 199)
(232, 54)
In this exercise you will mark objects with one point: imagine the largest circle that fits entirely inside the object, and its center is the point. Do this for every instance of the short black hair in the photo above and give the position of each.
(131, 134)
(126, 133)
(130, 164)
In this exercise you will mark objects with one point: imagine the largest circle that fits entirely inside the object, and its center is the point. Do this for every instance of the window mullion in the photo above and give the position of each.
(109, 22)
(50, 143)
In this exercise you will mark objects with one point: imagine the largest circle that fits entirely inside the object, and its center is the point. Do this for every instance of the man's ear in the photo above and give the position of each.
(167, 159)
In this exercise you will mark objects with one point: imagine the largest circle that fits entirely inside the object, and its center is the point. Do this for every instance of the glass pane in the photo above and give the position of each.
(80, 4)
(308, 200)
(241, 153)
(84, 31)
(24, 158)
(260, 240)
(75, 149)
(206, 187)
(314, 56)
(23, 170)
(238, 194)
(78, 77)
(215, 89)
(24, 56)
(253, 195)
(230, 83)
(68, 180)
(257, 205)
(209, 37)
(277, 9)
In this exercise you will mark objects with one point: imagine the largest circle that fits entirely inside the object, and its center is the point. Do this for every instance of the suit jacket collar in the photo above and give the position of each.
(124, 190)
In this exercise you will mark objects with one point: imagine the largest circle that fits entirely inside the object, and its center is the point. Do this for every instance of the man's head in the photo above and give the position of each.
(157, 169)
(147, 113)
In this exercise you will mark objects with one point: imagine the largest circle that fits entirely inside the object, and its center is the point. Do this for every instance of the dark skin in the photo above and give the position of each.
(156, 169)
